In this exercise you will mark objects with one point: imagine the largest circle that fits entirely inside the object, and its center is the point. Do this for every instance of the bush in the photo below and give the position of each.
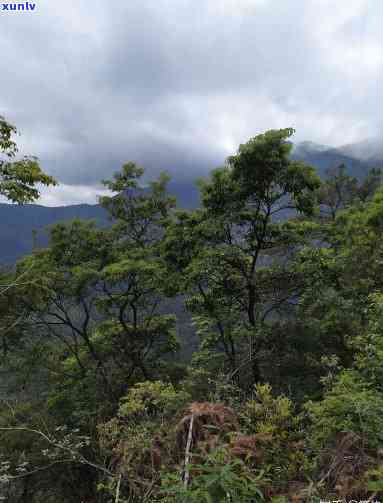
(352, 405)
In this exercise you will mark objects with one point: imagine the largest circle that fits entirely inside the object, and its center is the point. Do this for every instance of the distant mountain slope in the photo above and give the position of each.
(323, 157)
(370, 151)
(18, 222)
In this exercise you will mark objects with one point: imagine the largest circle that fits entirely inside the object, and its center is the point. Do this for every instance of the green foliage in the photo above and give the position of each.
(268, 414)
(139, 437)
(18, 178)
(152, 399)
(230, 251)
(218, 479)
(100, 293)
(351, 405)
(368, 346)
(340, 191)
(374, 480)
(283, 278)
(274, 421)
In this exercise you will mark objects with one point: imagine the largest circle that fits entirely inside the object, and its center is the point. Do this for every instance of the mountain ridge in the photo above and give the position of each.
(17, 223)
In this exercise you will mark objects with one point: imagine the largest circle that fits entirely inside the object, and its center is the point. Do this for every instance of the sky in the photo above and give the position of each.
(177, 85)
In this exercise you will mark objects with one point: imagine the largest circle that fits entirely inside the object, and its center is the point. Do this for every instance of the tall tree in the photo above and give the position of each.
(100, 292)
(234, 250)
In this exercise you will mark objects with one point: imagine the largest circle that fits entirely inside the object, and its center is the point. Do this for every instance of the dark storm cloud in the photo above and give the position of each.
(176, 84)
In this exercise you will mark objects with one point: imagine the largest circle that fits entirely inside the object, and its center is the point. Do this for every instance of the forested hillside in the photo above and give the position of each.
(23, 227)
(324, 158)
(281, 399)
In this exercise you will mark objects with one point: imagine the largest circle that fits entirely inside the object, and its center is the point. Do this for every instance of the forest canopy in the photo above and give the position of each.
(230, 353)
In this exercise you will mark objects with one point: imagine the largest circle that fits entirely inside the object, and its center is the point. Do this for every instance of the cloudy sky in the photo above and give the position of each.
(178, 84)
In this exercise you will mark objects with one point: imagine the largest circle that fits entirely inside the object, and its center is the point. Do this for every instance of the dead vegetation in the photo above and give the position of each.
(344, 465)
(209, 422)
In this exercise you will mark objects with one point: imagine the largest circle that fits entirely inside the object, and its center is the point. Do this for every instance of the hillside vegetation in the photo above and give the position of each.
(280, 400)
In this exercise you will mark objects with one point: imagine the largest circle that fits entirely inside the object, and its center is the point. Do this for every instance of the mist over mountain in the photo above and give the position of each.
(17, 223)
(358, 157)
(369, 151)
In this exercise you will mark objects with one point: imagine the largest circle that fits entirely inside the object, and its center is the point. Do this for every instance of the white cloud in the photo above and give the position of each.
(177, 84)
(63, 195)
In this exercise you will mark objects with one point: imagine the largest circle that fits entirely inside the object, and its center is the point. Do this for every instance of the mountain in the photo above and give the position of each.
(369, 151)
(17, 223)
(324, 157)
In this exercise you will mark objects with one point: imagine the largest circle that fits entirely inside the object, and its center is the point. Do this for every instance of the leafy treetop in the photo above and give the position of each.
(18, 177)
